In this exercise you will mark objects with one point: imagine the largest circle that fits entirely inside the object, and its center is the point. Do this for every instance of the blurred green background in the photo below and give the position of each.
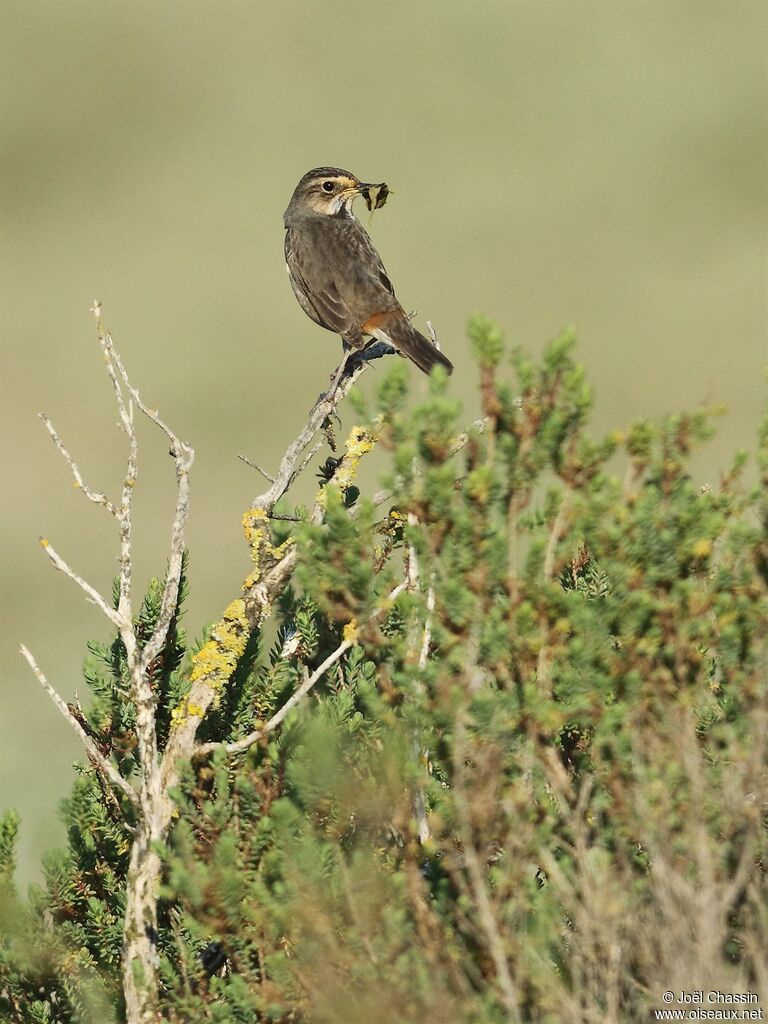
(600, 164)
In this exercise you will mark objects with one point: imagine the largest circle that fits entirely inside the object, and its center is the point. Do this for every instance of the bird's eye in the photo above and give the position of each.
(327, 186)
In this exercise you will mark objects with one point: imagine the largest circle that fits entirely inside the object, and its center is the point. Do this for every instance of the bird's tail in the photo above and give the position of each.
(407, 340)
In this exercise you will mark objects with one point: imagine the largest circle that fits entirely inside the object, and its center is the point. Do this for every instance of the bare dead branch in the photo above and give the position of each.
(97, 497)
(91, 749)
(152, 801)
(93, 595)
(254, 465)
(183, 455)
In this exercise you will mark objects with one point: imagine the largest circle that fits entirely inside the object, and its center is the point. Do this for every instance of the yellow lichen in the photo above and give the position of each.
(359, 442)
(217, 659)
(257, 535)
(281, 549)
(256, 529)
(349, 633)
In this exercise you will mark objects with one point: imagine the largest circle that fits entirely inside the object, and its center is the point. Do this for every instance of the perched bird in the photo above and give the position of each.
(337, 275)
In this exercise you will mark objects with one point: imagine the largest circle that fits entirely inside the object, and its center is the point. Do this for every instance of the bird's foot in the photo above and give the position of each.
(375, 350)
(352, 361)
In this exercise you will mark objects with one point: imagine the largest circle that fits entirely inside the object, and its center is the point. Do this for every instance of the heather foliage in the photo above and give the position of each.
(534, 789)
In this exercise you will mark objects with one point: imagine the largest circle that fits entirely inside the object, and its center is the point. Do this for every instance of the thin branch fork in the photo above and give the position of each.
(183, 455)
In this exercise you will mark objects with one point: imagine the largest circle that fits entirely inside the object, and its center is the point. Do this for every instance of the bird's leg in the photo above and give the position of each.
(338, 373)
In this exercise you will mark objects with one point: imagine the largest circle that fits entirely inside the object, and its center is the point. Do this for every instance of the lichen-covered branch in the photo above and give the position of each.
(271, 569)
(240, 746)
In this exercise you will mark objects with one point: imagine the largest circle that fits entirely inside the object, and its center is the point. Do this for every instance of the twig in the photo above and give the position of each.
(93, 595)
(293, 462)
(97, 497)
(433, 335)
(427, 636)
(544, 660)
(486, 916)
(125, 412)
(558, 528)
(92, 750)
(183, 455)
(309, 456)
(240, 746)
(254, 465)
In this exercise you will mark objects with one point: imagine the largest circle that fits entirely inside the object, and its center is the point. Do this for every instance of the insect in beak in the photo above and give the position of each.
(374, 195)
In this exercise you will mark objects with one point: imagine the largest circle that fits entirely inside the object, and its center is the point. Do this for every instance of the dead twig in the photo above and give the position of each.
(92, 750)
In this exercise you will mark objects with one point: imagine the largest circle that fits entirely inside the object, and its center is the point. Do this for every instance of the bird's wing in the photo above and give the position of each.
(314, 287)
(369, 257)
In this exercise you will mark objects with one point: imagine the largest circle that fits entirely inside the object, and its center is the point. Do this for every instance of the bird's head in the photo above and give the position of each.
(328, 191)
